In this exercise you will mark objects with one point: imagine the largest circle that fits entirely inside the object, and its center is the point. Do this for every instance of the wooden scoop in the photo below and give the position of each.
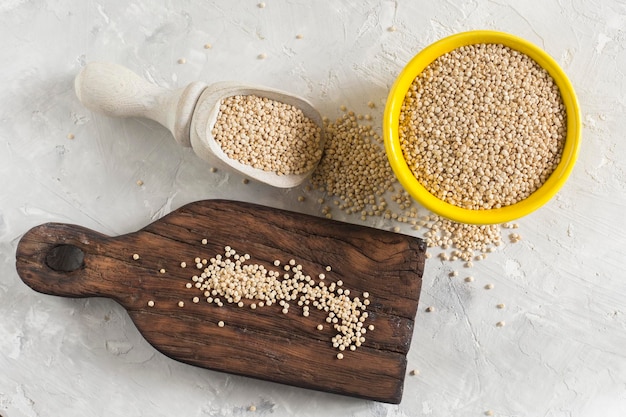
(189, 113)
(71, 261)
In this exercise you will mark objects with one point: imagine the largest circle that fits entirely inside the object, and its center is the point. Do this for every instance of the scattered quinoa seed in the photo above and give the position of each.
(207, 46)
(262, 56)
(181, 304)
(354, 176)
(299, 36)
(489, 286)
(228, 278)
(340, 355)
(414, 372)
(70, 136)
(182, 61)
(261, 5)
(500, 324)
(183, 264)
(252, 408)
(392, 28)
(162, 271)
(150, 303)
(139, 183)
(220, 323)
(469, 279)
(135, 256)
(500, 306)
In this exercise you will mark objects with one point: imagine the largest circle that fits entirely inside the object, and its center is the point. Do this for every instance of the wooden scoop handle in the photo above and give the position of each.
(116, 91)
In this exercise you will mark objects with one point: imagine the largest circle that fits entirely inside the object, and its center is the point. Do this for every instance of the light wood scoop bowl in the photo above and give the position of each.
(189, 113)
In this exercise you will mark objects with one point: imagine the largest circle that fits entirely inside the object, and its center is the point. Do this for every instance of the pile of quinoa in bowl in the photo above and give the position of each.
(482, 127)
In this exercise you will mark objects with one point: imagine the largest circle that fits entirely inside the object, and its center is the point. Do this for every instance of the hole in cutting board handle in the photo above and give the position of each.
(65, 258)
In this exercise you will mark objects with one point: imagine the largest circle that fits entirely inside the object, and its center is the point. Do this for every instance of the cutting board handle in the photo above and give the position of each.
(116, 91)
(67, 260)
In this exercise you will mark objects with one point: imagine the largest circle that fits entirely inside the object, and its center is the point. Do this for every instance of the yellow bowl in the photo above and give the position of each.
(440, 207)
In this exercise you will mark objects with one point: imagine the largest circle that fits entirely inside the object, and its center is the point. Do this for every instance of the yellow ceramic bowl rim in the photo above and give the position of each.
(440, 207)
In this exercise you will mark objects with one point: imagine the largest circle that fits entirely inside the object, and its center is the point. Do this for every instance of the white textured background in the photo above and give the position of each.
(562, 351)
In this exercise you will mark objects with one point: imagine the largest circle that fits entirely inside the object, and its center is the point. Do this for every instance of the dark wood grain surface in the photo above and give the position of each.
(261, 343)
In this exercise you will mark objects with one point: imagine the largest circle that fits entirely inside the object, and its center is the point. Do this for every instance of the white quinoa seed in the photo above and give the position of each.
(220, 323)
(181, 304)
(430, 309)
(150, 303)
(500, 324)
(267, 135)
(355, 175)
(135, 256)
(230, 278)
(479, 137)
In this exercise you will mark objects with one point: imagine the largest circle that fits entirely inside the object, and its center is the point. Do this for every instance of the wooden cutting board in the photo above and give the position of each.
(72, 261)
